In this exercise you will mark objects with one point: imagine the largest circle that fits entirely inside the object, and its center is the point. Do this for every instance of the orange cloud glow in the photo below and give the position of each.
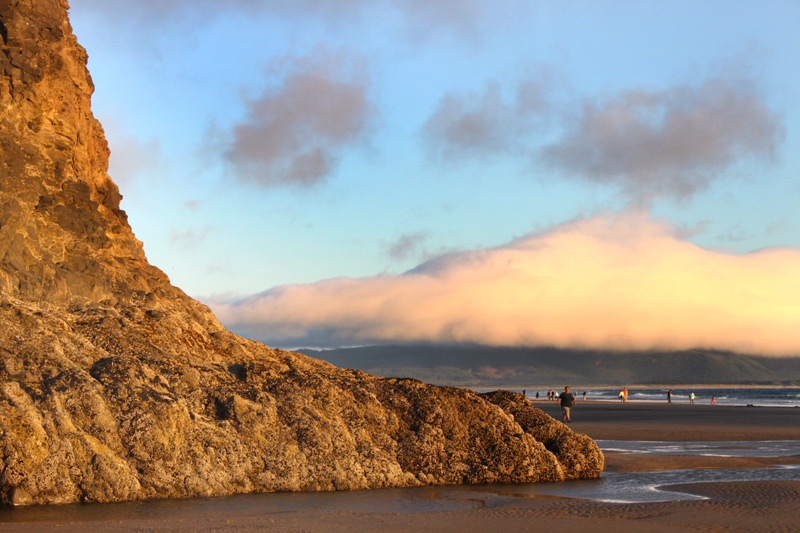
(621, 281)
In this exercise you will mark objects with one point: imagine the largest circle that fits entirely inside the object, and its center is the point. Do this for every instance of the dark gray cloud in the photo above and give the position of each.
(406, 245)
(423, 17)
(152, 9)
(294, 132)
(418, 16)
(672, 142)
(161, 11)
(486, 123)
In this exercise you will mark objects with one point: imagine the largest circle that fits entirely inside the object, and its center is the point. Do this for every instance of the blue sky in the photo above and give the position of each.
(262, 144)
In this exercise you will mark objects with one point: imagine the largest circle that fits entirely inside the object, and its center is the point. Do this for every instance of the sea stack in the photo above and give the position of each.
(115, 385)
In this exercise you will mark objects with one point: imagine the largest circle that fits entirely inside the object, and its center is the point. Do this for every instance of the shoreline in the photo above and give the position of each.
(732, 506)
(737, 395)
(646, 421)
(559, 388)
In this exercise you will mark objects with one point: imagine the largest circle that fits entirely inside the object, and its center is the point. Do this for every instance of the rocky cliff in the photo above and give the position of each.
(115, 385)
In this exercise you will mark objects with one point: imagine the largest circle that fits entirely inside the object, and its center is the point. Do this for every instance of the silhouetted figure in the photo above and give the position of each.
(567, 402)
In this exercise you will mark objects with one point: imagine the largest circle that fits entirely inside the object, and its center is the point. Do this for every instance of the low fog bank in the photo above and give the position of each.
(623, 282)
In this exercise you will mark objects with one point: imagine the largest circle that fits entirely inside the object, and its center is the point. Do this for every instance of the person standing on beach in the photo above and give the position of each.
(584, 396)
(669, 396)
(691, 398)
(567, 402)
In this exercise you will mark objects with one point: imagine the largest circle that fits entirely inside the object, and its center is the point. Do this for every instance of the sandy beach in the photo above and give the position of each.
(771, 505)
(680, 422)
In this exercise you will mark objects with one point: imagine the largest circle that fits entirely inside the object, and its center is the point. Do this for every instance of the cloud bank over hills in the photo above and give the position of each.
(617, 281)
(391, 147)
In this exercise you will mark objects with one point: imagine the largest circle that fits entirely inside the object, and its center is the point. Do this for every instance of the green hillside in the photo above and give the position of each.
(482, 366)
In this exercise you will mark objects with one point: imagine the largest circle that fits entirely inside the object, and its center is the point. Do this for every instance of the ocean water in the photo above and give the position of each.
(742, 396)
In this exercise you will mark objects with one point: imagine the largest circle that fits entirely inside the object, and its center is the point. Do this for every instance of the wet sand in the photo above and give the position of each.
(732, 506)
(680, 422)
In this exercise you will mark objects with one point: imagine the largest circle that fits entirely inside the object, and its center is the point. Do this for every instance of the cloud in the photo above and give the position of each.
(485, 124)
(157, 10)
(191, 238)
(423, 17)
(406, 245)
(130, 157)
(294, 132)
(419, 17)
(672, 142)
(620, 281)
(735, 233)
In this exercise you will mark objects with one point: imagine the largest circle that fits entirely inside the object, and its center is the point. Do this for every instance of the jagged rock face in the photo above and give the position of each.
(62, 234)
(115, 385)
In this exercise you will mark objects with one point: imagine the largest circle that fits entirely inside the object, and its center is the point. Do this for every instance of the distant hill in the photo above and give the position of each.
(484, 366)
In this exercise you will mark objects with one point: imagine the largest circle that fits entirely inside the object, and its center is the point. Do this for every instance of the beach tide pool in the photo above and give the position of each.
(640, 487)
(403, 500)
(643, 487)
(771, 448)
(612, 487)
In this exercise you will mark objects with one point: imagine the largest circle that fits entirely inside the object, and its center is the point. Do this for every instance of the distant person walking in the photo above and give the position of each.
(567, 402)
(584, 396)
(537, 394)
(691, 398)
(623, 395)
(713, 400)
(669, 396)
